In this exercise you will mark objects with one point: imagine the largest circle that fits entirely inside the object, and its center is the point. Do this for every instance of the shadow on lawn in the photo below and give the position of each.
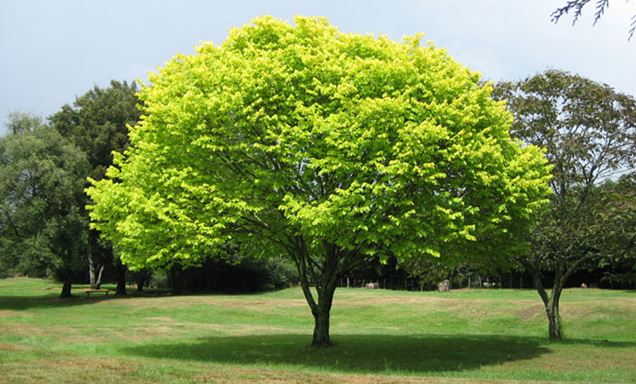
(359, 353)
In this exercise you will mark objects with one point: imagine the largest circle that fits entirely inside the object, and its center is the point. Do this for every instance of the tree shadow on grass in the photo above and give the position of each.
(353, 353)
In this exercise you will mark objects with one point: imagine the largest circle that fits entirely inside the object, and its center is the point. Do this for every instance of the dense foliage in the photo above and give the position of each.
(42, 219)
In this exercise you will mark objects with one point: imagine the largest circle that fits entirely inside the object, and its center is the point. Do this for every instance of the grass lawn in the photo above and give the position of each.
(380, 336)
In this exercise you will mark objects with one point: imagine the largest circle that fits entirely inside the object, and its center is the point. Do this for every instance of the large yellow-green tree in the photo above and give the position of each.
(328, 147)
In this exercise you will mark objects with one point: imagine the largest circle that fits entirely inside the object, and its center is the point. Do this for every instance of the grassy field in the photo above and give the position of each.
(380, 336)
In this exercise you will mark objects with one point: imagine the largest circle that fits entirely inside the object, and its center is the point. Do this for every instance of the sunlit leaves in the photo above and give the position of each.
(303, 131)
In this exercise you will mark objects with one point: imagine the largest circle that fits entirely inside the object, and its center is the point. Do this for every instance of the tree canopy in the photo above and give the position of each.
(325, 146)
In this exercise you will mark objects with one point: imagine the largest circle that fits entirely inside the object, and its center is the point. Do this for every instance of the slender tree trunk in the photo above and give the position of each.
(96, 257)
(120, 271)
(95, 274)
(552, 311)
(554, 322)
(66, 288)
(98, 281)
(91, 272)
(550, 303)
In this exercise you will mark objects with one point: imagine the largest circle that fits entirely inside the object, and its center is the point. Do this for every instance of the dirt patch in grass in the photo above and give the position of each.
(177, 302)
(177, 329)
(583, 309)
(97, 369)
(381, 300)
(13, 347)
(147, 332)
(6, 313)
(70, 335)
(98, 362)
(244, 375)
(530, 312)
(18, 329)
(446, 302)
(579, 357)
(165, 319)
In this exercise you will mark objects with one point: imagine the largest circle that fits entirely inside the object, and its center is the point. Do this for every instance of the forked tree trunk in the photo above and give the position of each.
(326, 279)
(551, 303)
(552, 312)
(95, 273)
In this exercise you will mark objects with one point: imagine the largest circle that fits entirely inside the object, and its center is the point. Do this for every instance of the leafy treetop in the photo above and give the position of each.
(304, 139)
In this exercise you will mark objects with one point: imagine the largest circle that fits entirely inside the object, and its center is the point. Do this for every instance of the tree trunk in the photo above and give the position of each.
(66, 288)
(91, 272)
(321, 316)
(98, 281)
(554, 323)
(95, 274)
(325, 277)
(550, 302)
(552, 311)
(321, 329)
(120, 271)
(175, 279)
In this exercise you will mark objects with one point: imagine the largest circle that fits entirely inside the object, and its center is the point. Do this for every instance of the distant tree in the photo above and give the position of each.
(589, 133)
(20, 122)
(576, 8)
(97, 123)
(328, 147)
(42, 223)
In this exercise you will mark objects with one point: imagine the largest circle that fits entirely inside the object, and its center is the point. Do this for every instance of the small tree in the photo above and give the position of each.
(41, 200)
(589, 132)
(330, 148)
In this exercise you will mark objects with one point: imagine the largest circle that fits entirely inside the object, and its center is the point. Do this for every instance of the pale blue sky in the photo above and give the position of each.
(53, 51)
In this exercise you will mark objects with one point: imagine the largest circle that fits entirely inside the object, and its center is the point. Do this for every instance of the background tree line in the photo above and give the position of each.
(80, 139)
(44, 226)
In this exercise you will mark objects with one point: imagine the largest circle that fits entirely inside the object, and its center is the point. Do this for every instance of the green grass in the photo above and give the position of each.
(379, 335)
